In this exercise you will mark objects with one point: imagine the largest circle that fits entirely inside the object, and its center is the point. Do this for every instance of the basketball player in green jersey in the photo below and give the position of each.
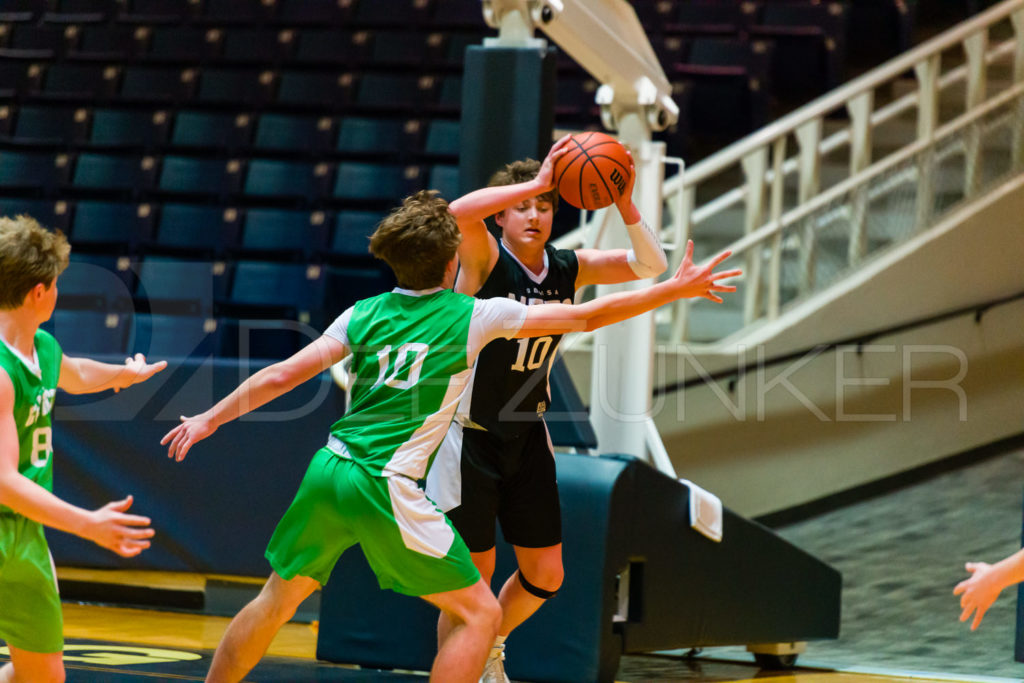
(32, 367)
(412, 352)
(497, 463)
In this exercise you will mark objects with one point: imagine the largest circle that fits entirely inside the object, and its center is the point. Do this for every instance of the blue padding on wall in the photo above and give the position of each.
(215, 511)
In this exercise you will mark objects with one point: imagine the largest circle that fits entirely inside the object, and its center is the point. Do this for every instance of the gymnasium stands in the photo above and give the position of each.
(197, 149)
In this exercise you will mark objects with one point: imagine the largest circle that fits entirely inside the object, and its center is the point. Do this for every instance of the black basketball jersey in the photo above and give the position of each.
(510, 380)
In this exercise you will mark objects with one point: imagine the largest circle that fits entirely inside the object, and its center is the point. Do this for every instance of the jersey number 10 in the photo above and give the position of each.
(415, 368)
(538, 352)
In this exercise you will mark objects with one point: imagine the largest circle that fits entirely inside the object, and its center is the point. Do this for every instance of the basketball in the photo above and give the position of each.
(594, 172)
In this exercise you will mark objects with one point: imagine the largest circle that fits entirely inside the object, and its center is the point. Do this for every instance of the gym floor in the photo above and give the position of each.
(123, 645)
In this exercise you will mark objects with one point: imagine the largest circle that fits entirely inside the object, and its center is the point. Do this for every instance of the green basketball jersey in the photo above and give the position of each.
(34, 392)
(412, 354)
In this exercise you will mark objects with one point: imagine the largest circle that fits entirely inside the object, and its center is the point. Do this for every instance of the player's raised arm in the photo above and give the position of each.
(479, 250)
(110, 526)
(87, 376)
(645, 259)
(264, 386)
(689, 281)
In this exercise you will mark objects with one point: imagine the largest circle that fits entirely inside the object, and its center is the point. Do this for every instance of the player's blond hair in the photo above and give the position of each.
(418, 240)
(523, 171)
(29, 255)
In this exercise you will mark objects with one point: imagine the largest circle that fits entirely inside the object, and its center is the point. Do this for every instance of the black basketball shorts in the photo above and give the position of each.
(478, 477)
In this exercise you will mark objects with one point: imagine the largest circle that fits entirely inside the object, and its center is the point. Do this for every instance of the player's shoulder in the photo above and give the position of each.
(565, 258)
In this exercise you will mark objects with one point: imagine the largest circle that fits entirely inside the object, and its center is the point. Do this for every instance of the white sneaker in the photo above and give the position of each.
(494, 669)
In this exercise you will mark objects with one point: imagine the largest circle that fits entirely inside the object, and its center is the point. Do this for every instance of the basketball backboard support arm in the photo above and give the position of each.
(607, 39)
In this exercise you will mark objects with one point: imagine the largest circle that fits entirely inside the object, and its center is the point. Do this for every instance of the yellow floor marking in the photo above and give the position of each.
(171, 629)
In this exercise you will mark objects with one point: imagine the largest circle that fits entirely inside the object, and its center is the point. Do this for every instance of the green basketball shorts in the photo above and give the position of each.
(30, 614)
(409, 543)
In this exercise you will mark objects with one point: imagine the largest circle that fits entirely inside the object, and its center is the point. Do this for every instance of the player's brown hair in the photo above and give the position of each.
(521, 172)
(29, 254)
(418, 240)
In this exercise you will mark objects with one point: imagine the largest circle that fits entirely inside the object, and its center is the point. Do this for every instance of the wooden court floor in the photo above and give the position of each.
(123, 645)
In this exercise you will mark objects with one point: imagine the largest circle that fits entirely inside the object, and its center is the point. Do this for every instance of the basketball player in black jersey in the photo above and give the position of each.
(497, 460)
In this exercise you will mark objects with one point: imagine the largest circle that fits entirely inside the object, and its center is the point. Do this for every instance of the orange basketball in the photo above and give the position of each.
(594, 172)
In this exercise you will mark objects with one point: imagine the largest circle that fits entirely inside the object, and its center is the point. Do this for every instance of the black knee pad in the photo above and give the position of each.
(534, 590)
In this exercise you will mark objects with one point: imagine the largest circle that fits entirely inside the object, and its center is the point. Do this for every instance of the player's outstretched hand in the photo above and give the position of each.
(978, 592)
(700, 281)
(546, 174)
(184, 436)
(138, 370)
(112, 528)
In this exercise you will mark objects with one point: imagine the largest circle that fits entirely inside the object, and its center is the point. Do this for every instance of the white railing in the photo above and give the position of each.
(956, 136)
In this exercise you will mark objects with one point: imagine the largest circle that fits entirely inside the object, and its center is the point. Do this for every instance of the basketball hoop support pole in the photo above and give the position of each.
(622, 362)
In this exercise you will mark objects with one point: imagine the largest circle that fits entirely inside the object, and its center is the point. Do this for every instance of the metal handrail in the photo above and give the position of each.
(868, 82)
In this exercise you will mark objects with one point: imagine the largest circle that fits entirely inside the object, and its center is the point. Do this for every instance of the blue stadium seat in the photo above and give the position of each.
(237, 12)
(443, 138)
(189, 44)
(80, 81)
(455, 44)
(88, 333)
(211, 177)
(34, 171)
(196, 231)
(331, 46)
(19, 78)
(273, 178)
(36, 42)
(23, 10)
(110, 43)
(80, 11)
(52, 214)
(111, 226)
(295, 133)
(330, 90)
(159, 336)
(449, 98)
(399, 48)
(284, 290)
(352, 230)
(314, 12)
(129, 128)
(395, 13)
(445, 179)
(345, 286)
(375, 181)
(711, 18)
(282, 233)
(96, 283)
(229, 86)
(258, 45)
(458, 14)
(360, 135)
(731, 83)
(262, 339)
(391, 91)
(180, 287)
(211, 130)
(810, 45)
(102, 172)
(159, 11)
(157, 84)
(51, 125)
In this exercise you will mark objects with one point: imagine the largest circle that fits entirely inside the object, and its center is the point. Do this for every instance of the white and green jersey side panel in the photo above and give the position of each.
(412, 354)
(409, 365)
(35, 388)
